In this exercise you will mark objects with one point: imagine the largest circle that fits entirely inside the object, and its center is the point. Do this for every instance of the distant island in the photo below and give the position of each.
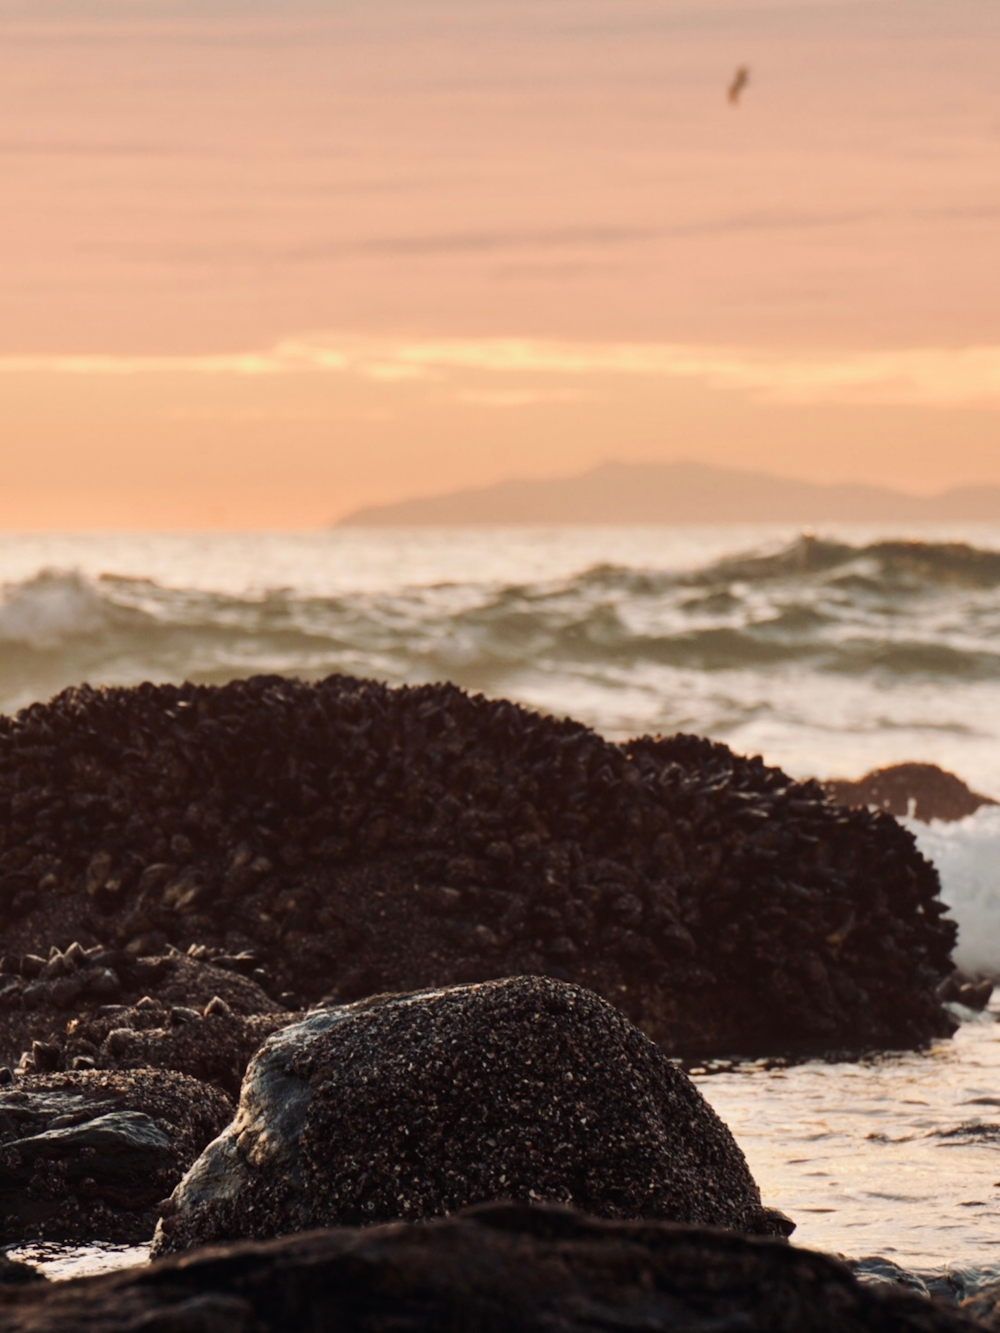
(622, 493)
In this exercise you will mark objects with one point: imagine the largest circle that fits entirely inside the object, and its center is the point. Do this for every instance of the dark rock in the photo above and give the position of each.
(984, 1305)
(960, 989)
(355, 839)
(88, 1155)
(213, 1046)
(15, 1273)
(877, 1271)
(410, 1106)
(498, 1267)
(34, 1019)
(921, 791)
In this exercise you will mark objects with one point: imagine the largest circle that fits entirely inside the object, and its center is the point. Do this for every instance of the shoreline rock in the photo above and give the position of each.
(359, 839)
(414, 1106)
(913, 790)
(89, 1155)
(101, 1008)
(524, 1269)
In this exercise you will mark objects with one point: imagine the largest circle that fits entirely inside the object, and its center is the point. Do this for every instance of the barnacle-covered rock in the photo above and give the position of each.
(412, 1106)
(105, 1008)
(88, 1156)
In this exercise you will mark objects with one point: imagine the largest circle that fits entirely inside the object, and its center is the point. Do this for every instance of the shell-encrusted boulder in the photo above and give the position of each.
(414, 1106)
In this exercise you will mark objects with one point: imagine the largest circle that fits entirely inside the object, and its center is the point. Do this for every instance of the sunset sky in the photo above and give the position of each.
(264, 263)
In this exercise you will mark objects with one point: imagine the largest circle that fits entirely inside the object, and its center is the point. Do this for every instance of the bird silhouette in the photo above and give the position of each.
(740, 80)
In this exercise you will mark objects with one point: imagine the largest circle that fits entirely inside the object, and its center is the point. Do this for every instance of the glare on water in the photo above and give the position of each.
(898, 1155)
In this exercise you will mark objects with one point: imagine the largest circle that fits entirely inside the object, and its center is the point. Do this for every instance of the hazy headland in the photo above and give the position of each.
(683, 492)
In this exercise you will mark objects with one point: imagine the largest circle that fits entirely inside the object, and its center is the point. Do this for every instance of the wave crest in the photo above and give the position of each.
(53, 607)
(886, 611)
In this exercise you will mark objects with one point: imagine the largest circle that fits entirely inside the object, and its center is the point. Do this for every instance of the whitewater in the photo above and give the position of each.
(828, 653)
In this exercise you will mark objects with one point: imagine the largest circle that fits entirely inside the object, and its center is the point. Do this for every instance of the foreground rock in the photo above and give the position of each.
(359, 839)
(921, 791)
(502, 1266)
(88, 1156)
(985, 1306)
(412, 1106)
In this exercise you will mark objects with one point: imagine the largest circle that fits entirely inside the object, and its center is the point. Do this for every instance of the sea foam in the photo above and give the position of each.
(967, 856)
(54, 606)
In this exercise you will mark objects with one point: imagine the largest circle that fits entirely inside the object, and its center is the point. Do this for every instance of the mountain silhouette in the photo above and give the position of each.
(622, 493)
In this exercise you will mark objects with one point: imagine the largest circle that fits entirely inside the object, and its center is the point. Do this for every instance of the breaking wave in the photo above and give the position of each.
(895, 609)
(827, 657)
(967, 856)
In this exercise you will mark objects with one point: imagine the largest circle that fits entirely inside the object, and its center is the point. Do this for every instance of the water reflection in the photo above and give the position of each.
(898, 1155)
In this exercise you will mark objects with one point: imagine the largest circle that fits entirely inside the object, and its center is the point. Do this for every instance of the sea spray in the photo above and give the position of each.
(967, 856)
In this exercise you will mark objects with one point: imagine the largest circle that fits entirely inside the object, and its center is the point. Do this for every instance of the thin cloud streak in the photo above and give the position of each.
(921, 376)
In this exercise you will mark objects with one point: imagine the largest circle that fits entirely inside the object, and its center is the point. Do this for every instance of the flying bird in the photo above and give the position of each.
(740, 80)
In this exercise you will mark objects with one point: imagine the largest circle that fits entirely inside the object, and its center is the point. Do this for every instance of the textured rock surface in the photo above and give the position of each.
(362, 839)
(104, 1008)
(502, 1267)
(923, 790)
(985, 1306)
(213, 1044)
(88, 1156)
(417, 1105)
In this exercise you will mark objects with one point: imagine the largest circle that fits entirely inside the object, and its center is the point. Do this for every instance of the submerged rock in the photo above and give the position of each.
(88, 1156)
(500, 1266)
(359, 839)
(410, 1106)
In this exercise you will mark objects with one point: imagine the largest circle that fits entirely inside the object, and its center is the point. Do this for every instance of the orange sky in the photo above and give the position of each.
(257, 271)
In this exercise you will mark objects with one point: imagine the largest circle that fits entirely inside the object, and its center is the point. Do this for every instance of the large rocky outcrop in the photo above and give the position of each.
(412, 1106)
(499, 1267)
(357, 838)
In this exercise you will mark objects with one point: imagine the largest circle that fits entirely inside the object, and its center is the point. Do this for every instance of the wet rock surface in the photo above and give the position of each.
(984, 1306)
(946, 1286)
(972, 992)
(16, 1273)
(88, 1155)
(417, 1105)
(921, 791)
(500, 1266)
(356, 839)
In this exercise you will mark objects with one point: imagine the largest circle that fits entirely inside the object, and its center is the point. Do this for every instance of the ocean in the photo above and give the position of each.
(828, 653)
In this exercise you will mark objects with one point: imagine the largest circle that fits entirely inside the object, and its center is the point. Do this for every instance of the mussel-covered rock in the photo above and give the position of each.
(499, 1266)
(88, 1156)
(356, 839)
(411, 1106)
